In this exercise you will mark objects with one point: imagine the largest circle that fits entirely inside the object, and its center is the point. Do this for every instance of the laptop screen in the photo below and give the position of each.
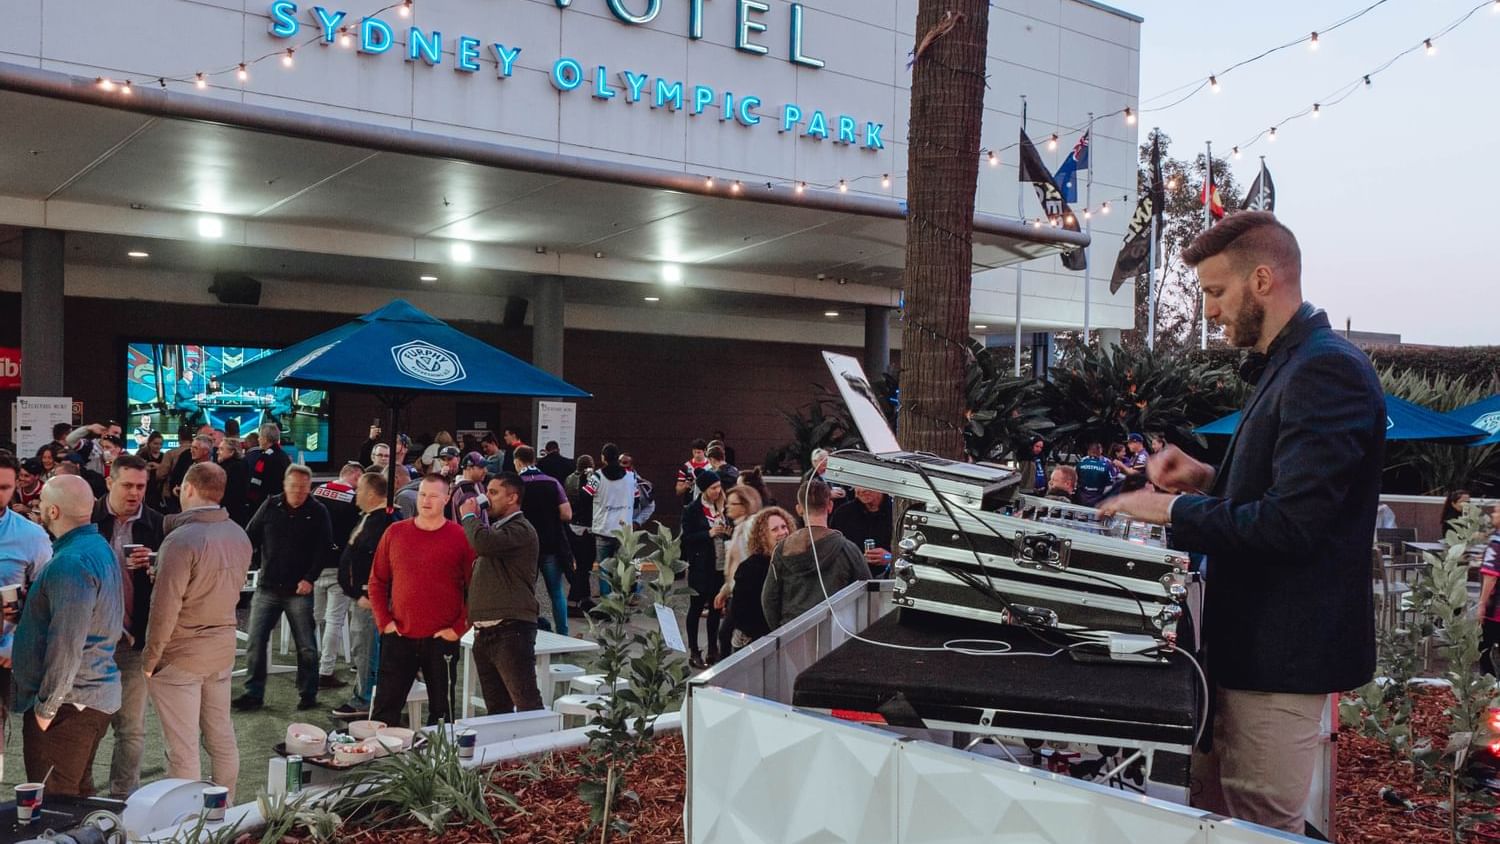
(862, 402)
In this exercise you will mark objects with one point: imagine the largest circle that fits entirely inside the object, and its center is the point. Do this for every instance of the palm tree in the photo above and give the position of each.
(947, 109)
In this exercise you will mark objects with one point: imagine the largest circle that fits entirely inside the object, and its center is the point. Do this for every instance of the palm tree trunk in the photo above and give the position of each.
(947, 110)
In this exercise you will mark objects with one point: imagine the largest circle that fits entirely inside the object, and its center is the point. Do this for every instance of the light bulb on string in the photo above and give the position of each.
(286, 60)
(885, 181)
(801, 187)
(1087, 214)
(243, 73)
(345, 39)
(1367, 80)
(105, 84)
(1317, 111)
(1272, 137)
(1104, 209)
(994, 159)
(843, 186)
(1052, 142)
(1130, 115)
(1070, 219)
(200, 81)
(405, 8)
(1213, 84)
(1236, 153)
(125, 89)
(708, 182)
(1427, 44)
(735, 188)
(1312, 43)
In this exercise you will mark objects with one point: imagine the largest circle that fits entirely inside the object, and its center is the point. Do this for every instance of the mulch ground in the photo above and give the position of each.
(1365, 766)
(552, 813)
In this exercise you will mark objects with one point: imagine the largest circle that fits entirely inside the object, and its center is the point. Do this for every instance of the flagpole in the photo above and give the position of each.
(1088, 224)
(1021, 216)
(1260, 186)
(1151, 270)
(1208, 221)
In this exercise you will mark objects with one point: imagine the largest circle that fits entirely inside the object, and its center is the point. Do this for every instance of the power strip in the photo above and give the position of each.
(1134, 647)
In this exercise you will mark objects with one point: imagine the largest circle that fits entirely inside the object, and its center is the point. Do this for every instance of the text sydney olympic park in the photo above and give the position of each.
(375, 36)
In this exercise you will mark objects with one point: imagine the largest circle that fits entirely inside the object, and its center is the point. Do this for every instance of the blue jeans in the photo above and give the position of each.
(604, 548)
(557, 591)
(265, 610)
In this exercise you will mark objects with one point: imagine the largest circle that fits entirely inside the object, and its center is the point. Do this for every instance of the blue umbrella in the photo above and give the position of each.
(396, 352)
(1484, 415)
(1403, 421)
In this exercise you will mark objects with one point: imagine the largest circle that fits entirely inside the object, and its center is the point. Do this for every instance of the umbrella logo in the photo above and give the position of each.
(1389, 423)
(1489, 422)
(301, 362)
(426, 362)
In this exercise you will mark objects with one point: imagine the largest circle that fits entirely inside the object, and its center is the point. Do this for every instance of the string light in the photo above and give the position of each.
(1272, 137)
(1427, 42)
(1367, 80)
(286, 60)
(1052, 142)
(1130, 115)
(1213, 84)
(1312, 43)
(1316, 112)
(405, 8)
(708, 182)
(735, 188)
(995, 159)
(1087, 214)
(843, 186)
(200, 81)
(243, 72)
(1236, 153)
(105, 84)
(1104, 209)
(1070, 219)
(885, 181)
(801, 187)
(125, 89)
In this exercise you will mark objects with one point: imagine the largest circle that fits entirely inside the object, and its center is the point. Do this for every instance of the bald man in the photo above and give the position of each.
(67, 684)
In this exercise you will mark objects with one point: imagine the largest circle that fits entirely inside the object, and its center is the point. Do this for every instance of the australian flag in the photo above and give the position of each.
(1067, 174)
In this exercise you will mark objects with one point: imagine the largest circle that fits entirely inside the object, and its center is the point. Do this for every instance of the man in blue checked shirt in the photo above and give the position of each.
(67, 684)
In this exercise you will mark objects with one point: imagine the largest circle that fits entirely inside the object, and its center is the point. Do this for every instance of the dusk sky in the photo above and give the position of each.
(1392, 193)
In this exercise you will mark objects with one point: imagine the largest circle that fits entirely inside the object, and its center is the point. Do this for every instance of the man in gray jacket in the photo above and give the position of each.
(189, 650)
(502, 597)
(811, 563)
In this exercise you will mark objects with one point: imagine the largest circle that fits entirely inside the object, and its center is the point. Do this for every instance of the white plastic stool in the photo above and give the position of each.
(560, 675)
(594, 684)
(575, 709)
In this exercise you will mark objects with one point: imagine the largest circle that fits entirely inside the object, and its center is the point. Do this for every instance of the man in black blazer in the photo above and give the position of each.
(1285, 526)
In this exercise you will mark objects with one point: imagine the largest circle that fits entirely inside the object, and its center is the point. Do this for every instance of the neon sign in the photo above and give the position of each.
(375, 36)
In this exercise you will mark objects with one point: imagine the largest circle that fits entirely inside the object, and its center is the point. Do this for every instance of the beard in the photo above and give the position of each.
(1244, 331)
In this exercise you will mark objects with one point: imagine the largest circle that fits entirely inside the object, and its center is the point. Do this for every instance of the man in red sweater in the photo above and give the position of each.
(417, 585)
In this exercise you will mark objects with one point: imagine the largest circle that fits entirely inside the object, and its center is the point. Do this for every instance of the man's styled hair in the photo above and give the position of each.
(1248, 239)
(699, 444)
(61, 429)
(9, 461)
(299, 469)
(526, 454)
(814, 496)
(376, 482)
(511, 481)
(127, 461)
(434, 476)
(208, 478)
(714, 453)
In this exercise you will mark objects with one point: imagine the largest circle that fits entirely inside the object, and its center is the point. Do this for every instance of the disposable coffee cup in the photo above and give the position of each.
(28, 801)
(10, 596)
(467, 740)
(129, 550)
(215, 801)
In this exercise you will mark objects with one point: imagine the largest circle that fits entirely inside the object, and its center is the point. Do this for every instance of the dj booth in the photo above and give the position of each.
(1031, 692)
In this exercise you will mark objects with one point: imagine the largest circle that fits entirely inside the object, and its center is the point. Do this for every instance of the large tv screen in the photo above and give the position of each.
(172, 385)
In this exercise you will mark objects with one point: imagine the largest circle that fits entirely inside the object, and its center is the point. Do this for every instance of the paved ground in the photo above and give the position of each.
(257, 732)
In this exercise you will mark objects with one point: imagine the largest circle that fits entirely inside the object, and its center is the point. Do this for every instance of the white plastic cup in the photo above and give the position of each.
(10, 596)
(28, 801)
(215, 801)
(467, 740)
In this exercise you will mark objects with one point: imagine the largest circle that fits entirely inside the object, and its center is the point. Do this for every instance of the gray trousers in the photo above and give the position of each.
(1261, 766)
(129, 724)
(331, 612)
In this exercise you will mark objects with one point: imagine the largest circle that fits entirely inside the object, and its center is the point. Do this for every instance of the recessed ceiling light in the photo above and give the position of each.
(981, 327)
(138, 254)
(428, 278)
(830, 313)
(653, 298)
(210, 227)
(671, 273)
(462, 252)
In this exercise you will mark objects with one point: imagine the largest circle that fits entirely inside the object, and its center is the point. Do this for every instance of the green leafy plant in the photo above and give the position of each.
(284, 813)
(201, 833)
(623, 725)
(428, 784)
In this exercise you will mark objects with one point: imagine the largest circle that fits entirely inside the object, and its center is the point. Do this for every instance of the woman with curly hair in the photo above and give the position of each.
(746, 618)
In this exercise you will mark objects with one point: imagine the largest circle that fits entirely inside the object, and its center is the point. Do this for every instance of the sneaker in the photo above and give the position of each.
(331, 681)
(246, 703)
(307, 703)
(350, 712)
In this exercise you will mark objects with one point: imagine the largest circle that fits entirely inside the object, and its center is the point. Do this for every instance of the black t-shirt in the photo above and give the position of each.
(539, 502)
(858, 524)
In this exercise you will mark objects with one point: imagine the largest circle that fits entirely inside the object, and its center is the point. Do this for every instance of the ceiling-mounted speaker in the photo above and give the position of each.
(235, 289)
(515, 312)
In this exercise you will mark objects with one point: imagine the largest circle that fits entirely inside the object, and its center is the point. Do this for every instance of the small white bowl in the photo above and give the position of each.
(388, 745)
(365, 729)
(405, 736)
(353, 754)
(306, 740)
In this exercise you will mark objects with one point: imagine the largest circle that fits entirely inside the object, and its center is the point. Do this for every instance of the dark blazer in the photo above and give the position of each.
(147, 531)
(1288, 605)
(698, 550)
(236, 499)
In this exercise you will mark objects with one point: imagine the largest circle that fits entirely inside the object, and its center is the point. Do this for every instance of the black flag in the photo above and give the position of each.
(1136, 252)
(1262, 193)
(1053, 205)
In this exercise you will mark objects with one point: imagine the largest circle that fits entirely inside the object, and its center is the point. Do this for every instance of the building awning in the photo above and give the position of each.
(153, 162)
